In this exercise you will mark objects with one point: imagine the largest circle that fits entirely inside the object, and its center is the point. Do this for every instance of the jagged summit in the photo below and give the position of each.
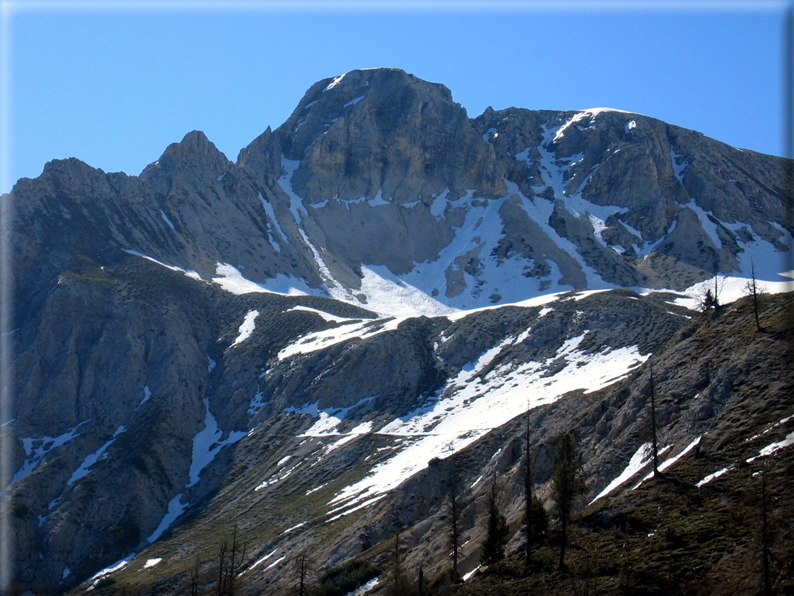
(386, 133)
(195, 155)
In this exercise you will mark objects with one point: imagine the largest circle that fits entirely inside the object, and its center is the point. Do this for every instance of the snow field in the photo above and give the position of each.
(467, 410)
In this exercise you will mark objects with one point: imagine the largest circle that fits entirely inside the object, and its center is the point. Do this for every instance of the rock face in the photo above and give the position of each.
(280, 335)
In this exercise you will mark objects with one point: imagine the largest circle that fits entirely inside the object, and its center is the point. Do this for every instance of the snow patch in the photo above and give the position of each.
(668, 463)
(168, 221)
(93, 458)
(147, 393)
(274, 563)
(117, 566)
(246, 327)
(731, 289)
(36, 449)
(258, 402)
(231, 280)
(189, 272)
(772, 448)
(325, 315)
(288, 530)
(470, 574)
(328, 420)
(390, 295)
(641, 458)
(175, 509)
(680, 164)
(714, 475)
(439, 205)
(285, 182)
(319, 340)
(334, 83)
(353, 102)
(260, 561)
(152, 562)
(378, 199)
(272, 221)
(207, 444)
(364, 590)
(353, 509)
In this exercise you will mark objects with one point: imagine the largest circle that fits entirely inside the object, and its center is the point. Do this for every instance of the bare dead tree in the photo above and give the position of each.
(195, 573)
(753, 289)
(528, 497)
(230, 558)
(453, 501)
(303, 569)
(765, 537)
(653, 428)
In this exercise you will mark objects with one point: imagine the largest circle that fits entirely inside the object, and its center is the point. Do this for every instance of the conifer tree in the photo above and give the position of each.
(493, 547)
(567, 485)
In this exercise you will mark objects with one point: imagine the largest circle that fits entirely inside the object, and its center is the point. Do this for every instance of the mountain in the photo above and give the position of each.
(293, 348)
(380, 182)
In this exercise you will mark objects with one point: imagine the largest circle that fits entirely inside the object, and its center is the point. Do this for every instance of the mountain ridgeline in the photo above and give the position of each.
(292, 353)
(380, 178)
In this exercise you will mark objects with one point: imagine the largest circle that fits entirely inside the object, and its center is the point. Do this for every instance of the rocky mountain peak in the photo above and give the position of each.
(194, 156)
(384, 131)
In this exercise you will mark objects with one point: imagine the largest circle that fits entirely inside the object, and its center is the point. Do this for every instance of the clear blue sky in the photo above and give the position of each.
(114, 86)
